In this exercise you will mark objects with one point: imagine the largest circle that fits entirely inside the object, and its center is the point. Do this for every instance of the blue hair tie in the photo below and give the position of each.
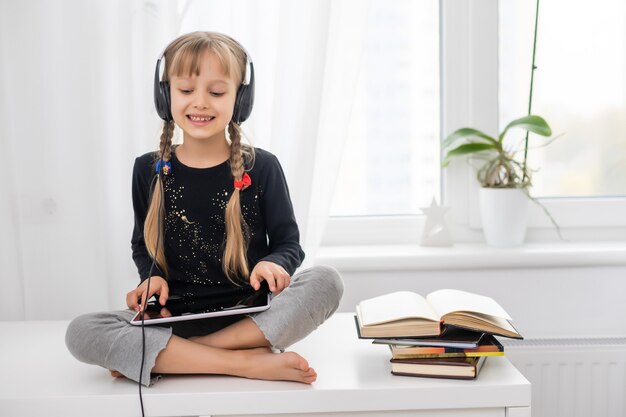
(167, 167)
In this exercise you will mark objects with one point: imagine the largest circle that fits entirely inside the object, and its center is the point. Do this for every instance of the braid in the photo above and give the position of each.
(152, 226)
(166, 140)
(236, 154)
(235, 263)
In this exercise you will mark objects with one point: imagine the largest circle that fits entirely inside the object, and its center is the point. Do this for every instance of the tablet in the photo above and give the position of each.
(239, 301)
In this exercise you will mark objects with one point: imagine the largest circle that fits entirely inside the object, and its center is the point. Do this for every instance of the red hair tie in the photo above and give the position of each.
(244, 183)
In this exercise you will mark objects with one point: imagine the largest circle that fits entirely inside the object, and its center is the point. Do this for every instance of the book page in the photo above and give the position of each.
(448, 301)
(394, 306)
(497, 322)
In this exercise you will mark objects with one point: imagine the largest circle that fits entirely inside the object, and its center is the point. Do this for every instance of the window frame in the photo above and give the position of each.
(469, 97)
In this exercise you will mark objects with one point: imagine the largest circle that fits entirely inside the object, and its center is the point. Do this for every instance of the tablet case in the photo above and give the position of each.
(243, 300)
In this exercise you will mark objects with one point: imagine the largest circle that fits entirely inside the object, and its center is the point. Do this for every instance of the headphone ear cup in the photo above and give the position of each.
(165, 91)
(244, 100)
(162, 100)
(243, 104)
(162, 94)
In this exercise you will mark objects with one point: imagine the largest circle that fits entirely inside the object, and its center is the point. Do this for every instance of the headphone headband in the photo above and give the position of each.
(243, 101)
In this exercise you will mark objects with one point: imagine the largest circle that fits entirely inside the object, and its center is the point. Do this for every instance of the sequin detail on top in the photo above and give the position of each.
(195, 225)
(221, 200)
(191, 239)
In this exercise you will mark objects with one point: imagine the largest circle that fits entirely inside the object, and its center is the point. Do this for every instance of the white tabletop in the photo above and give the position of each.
(38, 375)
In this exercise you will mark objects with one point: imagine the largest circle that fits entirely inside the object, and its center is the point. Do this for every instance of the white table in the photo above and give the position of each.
(39, 377)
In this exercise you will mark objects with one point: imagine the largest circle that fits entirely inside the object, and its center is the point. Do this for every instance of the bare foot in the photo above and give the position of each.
(116, 374)
(261, 363)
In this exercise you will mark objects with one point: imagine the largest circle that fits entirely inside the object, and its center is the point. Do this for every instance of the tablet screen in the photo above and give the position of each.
(239, 301)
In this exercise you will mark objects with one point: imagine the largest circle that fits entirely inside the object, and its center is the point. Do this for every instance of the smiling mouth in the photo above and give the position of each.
(195, 118)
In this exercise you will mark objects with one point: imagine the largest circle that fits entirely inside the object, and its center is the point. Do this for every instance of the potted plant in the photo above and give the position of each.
(505, 180)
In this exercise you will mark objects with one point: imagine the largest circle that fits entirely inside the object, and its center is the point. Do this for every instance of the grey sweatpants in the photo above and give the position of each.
(109, 340)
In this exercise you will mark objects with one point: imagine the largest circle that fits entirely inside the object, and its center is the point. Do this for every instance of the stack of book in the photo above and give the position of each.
(447, 334)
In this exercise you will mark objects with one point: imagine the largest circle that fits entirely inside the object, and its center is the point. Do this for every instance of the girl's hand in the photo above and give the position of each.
(277, 278)
(158, 285)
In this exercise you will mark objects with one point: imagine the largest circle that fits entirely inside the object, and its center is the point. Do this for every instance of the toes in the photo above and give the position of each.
(300, 363)
(309, 376)
(309, 379)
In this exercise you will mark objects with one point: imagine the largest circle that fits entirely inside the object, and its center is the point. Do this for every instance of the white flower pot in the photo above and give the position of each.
(504, 213)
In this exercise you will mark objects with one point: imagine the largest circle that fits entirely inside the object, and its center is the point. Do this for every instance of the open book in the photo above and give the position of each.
(407, 314)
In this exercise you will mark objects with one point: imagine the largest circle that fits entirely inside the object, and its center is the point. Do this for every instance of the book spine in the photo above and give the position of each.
(444, 355)
(434, 376)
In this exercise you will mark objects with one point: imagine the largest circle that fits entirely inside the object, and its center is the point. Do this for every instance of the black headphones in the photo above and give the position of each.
(243, 101)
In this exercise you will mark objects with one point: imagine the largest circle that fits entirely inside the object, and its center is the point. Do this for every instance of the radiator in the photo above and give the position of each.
(582, 377)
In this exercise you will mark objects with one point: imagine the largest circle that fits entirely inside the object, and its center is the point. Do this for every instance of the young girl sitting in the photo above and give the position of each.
(213, 214)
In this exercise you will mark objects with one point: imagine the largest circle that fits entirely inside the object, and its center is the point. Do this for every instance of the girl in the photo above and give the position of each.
(217, 217)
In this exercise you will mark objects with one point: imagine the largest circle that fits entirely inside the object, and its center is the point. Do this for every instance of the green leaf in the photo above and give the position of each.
(468, 148)
(465, 132)
(532, 123)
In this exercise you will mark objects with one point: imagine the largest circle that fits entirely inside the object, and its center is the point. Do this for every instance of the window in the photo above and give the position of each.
(579, 87)
(485, 49)
(392, 166)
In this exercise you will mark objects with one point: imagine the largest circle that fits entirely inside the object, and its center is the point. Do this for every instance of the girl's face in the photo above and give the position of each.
(202, 105)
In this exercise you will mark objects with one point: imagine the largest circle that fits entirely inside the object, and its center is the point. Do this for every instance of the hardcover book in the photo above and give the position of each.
(408, 314)
(454, 368)
(489, 346)
(452, 337)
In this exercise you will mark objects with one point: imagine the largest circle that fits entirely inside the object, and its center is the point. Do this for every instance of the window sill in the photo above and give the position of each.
(472, 256)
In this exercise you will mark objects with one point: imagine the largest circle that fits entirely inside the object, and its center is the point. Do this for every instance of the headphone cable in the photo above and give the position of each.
(145, 302)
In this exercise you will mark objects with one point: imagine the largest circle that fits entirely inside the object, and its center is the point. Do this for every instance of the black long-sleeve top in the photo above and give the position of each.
(195, 199)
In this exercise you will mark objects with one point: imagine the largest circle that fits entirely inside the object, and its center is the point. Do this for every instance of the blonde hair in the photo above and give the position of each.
(182, 57)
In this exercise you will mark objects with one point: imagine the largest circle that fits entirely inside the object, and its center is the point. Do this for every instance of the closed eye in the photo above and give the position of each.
(186, 91)
(215, 94)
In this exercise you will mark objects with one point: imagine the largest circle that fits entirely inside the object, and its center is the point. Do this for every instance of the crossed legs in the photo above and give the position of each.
(239, 349)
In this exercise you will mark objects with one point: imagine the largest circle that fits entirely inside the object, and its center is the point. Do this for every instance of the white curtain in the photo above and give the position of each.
(76, 108)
